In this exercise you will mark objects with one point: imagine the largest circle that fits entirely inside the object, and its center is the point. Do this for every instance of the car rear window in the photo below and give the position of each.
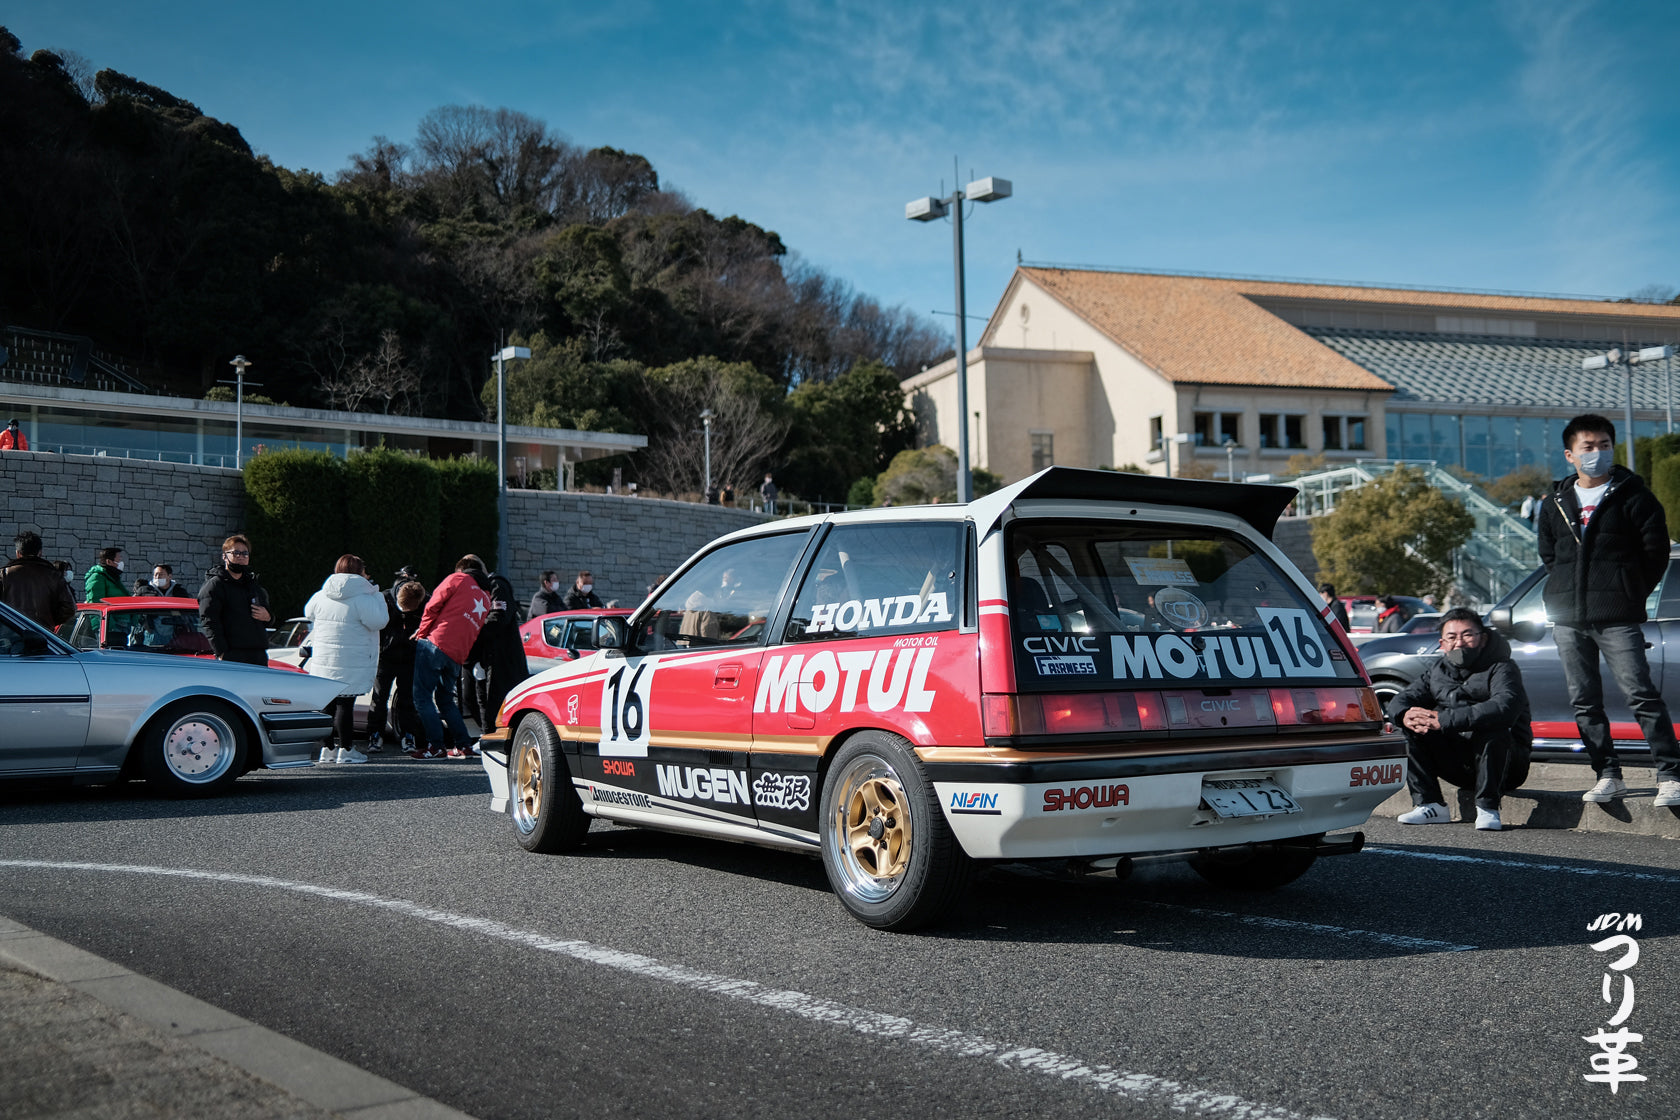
(1108, 604)
(156, 631)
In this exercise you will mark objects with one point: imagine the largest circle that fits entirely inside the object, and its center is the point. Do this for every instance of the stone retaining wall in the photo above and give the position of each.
(178, 514)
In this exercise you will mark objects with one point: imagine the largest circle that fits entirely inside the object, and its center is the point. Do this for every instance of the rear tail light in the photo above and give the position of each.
(1324, 705)
(1077, 713)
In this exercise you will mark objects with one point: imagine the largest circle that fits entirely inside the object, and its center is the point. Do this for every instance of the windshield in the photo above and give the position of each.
(1096, 604)
(156, 631)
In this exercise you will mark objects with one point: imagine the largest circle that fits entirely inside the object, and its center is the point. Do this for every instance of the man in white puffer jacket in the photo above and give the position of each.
(345, 618)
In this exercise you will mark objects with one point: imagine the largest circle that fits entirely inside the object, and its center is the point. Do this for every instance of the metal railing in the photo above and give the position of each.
(1501, 550)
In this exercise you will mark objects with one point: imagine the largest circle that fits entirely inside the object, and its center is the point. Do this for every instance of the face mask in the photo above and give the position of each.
(237, 569)
(586, 588)
(1460, 656)
(160, 581)
(119, 565)
(1595, 464)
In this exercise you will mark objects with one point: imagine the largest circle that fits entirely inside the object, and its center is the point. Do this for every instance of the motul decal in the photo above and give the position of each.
(885, 680)
(875, 614)
(1286, 650)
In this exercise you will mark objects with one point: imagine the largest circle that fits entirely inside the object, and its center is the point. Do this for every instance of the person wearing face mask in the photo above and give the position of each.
(163, 584)
(1604, 540)
(582, 594)
(104, 579)
(233, 607)
(548, 599)
(1465, 720)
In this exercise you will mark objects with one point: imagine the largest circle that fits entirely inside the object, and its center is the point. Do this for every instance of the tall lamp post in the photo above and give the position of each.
(240, 365)
(1230, 459)
(930, 209)
(503, 356)
(706, 419)
(1620, 357)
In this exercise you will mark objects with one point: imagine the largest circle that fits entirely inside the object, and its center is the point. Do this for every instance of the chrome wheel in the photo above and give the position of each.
(199, 748)
(526, 775)
(873, 831)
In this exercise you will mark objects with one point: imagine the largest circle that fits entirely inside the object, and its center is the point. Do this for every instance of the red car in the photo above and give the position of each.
(564, 635)
(144, 624)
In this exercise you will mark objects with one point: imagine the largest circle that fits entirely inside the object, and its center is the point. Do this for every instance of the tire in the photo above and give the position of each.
(195, 748)
(1386, 690)
(1254, 871)
(888, 851)
(547, 815)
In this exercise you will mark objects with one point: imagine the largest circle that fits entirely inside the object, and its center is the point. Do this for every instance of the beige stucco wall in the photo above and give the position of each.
(1041, 367)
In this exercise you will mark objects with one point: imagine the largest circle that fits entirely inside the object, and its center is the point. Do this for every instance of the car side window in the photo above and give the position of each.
(85, 633)
(580, 635)
(11, 640)
(882, 579)
(554, 632)
(725, 599)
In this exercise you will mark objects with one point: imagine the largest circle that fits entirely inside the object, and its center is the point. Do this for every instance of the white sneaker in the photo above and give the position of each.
(327, 755)
(1488, 820)
(1607, 789)
(351, 754)
(1668, 794)
(1427, 814)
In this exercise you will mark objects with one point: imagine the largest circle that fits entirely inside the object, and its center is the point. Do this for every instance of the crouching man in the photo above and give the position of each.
(1466, 720)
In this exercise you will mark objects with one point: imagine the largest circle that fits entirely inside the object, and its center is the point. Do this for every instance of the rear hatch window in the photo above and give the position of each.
(1106, 605)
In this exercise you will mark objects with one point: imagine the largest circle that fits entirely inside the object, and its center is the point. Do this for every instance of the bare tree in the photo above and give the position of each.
(384, 378)
(744, 432)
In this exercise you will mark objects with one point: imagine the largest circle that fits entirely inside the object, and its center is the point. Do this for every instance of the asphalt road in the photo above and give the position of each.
(381, 914)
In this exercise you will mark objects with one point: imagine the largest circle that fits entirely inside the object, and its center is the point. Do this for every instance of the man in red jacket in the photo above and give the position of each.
(451, 621)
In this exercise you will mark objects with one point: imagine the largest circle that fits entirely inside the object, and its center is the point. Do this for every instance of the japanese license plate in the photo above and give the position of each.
(1247, 797)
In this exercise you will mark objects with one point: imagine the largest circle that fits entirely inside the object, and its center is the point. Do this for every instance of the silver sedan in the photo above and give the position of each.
(188, 726)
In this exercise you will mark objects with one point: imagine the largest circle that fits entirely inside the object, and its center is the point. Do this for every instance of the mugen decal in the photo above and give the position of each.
(782, 791)
(703, 783)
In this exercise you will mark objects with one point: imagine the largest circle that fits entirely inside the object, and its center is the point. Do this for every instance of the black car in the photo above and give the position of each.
(1395, 661)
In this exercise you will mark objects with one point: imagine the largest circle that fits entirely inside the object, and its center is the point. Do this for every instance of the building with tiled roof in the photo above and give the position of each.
(1086, 367)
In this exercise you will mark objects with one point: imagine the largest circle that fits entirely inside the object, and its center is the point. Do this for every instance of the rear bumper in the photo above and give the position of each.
(1106, 808)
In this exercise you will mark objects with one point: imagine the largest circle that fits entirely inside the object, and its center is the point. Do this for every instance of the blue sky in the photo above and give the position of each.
(1521, 146)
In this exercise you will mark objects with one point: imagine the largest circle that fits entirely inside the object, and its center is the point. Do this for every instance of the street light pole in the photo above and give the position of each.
(927, 210)
(1230, 460)
(503, 356)
(240, 365)
(1621, 357)
(706, 419)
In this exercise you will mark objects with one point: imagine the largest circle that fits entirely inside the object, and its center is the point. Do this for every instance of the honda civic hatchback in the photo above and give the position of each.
(1085, 669)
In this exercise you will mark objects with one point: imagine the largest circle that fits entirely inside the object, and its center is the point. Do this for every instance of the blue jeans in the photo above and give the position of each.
(1623, 648)
(435, 676)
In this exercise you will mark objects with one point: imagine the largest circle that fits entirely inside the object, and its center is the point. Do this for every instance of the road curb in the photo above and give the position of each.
(319, 1079)
(1540, 804)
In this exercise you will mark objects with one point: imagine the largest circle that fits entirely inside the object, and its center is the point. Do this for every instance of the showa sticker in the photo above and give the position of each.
(1613, 1065)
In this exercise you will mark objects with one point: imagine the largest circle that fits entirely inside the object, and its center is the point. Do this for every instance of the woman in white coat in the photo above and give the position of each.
(345, 618)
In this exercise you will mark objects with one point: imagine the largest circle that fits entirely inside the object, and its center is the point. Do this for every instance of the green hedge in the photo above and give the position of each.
(295, 506)
(1666, 485)
(466, 513)
(305, 509)
(394, 506)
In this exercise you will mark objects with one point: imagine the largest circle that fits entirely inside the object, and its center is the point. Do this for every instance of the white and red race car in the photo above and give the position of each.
(1085, 666)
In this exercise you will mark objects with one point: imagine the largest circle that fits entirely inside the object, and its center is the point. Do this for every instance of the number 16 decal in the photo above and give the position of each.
(624, 711)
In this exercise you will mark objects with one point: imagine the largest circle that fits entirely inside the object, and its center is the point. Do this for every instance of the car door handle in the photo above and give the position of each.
(727, 676)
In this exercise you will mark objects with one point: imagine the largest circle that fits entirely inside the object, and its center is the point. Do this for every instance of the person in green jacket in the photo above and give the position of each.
(104, 579)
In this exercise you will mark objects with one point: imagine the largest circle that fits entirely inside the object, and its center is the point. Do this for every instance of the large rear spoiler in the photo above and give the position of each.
(1259, 505)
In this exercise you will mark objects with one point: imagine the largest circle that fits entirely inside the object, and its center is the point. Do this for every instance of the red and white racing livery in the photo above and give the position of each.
(1084, 666)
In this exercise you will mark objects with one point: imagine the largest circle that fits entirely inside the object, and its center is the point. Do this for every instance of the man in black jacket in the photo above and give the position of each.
(35, 587)
(233, 608)
(1604, 541)
(548, 599)
(582, 593)
(1466, 720)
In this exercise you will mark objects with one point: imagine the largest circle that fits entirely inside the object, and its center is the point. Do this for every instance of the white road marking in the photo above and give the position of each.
(1142, 1087)
(1397, 940)
(1525, 865)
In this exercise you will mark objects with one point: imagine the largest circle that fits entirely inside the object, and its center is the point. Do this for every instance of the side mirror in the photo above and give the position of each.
(1529, 630)
(611, 633)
